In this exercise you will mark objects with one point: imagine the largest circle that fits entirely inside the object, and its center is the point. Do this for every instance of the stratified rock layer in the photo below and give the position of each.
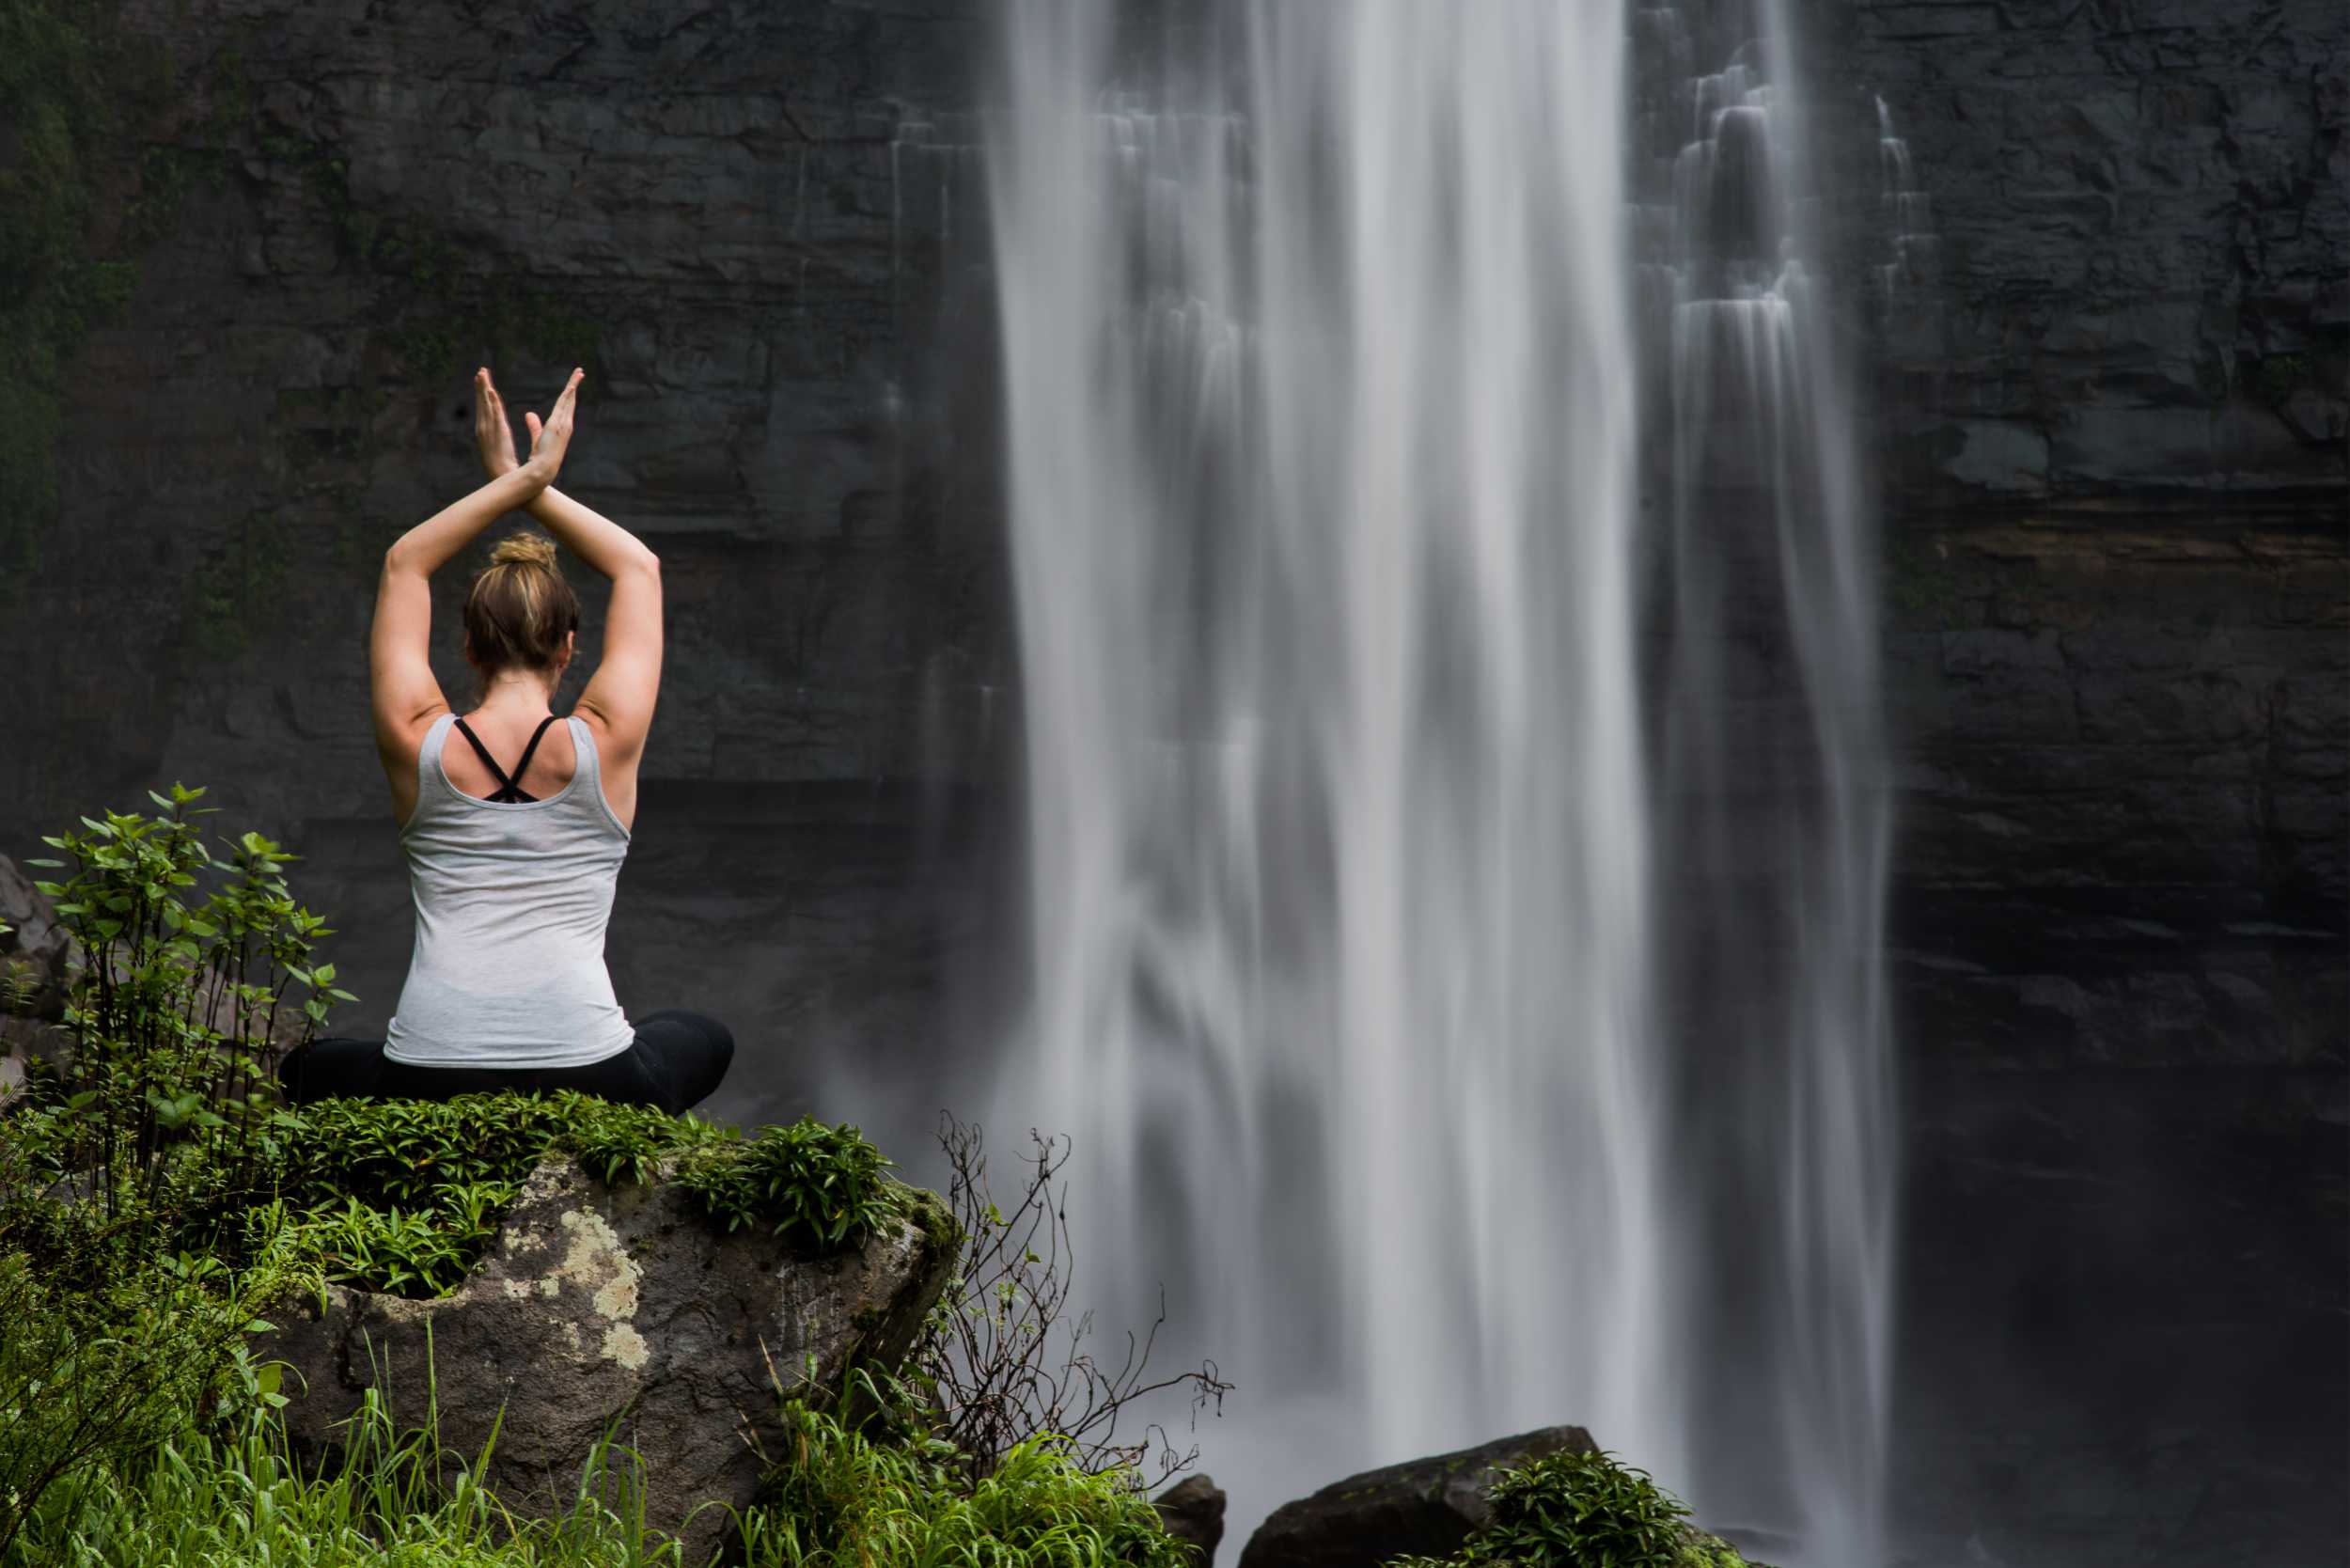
(619, 1311)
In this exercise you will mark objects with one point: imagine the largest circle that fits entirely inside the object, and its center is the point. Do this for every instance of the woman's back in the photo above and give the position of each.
(511, 899)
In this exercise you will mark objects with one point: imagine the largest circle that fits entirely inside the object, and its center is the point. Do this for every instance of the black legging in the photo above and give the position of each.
(676, 1061)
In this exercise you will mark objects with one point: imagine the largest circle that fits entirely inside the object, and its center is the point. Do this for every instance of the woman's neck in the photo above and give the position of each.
(519, 695)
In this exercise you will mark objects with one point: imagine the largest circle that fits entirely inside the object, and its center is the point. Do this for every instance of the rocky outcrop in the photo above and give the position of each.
(34, 950)
(1193, 1510)
(2107, 410)
(1426, 1505)
(617, 1310)
(2138, 214)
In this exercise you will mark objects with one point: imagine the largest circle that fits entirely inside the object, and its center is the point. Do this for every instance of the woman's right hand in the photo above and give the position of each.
(551, 438)
(492, 431)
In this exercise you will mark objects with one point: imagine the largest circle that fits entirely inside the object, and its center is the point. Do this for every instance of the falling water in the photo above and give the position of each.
(1359, 777)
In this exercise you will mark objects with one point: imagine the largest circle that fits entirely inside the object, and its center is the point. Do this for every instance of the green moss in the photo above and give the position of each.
(445, 303)
(236, 589)
(1920, 584)
(76, 96)
(928, 1211)
(2280, 375)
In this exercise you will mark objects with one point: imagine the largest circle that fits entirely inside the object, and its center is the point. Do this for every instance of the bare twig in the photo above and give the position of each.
(1003, 1354)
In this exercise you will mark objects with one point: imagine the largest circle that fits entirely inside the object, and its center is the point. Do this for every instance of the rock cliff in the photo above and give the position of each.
(2103, 339)
(2110, 388)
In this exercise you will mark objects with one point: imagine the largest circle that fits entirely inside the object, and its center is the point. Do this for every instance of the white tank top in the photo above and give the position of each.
(511, 903)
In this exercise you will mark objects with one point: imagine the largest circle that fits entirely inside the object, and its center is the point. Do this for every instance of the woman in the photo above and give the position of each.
(515, 836)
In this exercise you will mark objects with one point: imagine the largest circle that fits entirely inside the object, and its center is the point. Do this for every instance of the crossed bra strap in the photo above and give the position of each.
(509, 790)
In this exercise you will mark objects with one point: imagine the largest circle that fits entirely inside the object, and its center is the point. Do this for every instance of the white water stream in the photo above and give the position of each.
(1456, 856)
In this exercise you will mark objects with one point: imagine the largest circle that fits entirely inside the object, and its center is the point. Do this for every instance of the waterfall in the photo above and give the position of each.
(1380, 769)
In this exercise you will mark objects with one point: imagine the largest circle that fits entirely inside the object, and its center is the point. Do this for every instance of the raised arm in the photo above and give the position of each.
(619, 700)
(402, 693)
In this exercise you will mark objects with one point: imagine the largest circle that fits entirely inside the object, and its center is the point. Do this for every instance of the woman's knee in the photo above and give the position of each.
(694, 1051)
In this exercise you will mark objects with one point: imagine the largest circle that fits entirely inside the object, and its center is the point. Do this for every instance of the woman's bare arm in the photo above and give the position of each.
(402, 685)
(403, 693)
(619, 697)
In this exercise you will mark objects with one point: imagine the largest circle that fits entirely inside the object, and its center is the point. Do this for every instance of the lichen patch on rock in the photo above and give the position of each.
(599, 1262)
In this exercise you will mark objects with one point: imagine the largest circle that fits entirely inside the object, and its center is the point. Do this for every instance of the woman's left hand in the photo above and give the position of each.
(552, 437)
(491, 431)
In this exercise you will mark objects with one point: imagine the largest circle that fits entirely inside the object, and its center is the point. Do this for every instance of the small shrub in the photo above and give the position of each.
(886, 1493)
(822, 1188)
(1573, 1510)
(176, 1010)
(94, 1380)
(1578, 1508)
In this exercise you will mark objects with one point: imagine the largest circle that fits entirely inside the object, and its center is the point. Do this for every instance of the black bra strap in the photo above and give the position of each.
(509, 790)
(528, 752)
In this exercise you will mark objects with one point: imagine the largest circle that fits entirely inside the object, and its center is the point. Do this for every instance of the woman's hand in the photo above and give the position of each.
(490, 430)
(551, 439)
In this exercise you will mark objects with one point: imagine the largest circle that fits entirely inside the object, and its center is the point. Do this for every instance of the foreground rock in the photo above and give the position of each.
(1192, 1512)
(1426, 1505)
(34, 952)
(620, 1310)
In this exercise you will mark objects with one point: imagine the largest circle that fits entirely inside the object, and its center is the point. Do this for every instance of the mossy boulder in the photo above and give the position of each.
(620, 1310)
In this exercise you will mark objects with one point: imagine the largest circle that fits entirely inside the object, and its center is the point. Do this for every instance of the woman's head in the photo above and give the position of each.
(521, 614)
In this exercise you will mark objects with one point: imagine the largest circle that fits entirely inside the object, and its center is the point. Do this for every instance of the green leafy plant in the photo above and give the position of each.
(884, 1492)
(419, 1252)
(1583, 1508)
(445, 1171)
(391, 1497)
(820, 1188)
(405, 1196)
(93, 1379)
(194, 970)
(1580, 1510)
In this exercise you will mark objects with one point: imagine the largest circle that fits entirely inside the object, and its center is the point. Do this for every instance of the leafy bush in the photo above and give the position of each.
(822, 1188)
(888, 1493)
(1573, 1510)
(92, 1381)
(177, 1011)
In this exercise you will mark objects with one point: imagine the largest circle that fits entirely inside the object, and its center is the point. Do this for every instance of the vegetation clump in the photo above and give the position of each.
(889, 1492)
(157, 1195)
(1582, 1510)
(160, 1125)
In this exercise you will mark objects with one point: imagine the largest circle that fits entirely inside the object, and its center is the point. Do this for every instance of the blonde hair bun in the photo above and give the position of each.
(528, 547)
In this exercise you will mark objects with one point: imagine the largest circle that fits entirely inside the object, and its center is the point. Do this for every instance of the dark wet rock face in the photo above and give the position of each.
(1426, 1506)
(2103, 392)
(1193, 1510)
(737, 218)
(616, 1309)
(2108, 410)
